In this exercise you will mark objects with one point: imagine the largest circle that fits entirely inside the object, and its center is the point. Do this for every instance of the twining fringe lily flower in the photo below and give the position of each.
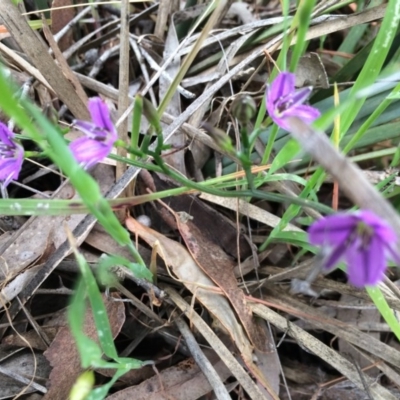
(283, 100)
(361, 239)
(100, 135)
(11, 156)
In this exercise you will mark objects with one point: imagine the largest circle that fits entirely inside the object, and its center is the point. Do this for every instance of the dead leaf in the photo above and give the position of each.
(249, 210)
(63, 354)
(184, 381)
(311, 72)
(31, 338)
(34, 48)
(32, 241)
(132, 377)
(102, 241)
(220, 268)
(63, 64)
(212, 223)
(61, 18)
(355, 316)
(185, 268)
(23, 365)
(268, 363)
(15, 286)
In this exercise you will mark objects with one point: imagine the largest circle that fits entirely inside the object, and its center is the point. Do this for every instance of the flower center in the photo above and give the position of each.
(99, 134)
(7, 151)
(363, 234)
(283, 105)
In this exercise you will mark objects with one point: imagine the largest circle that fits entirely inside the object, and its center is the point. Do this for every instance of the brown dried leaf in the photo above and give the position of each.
(31, 338)
(102, 241)
(185, 268)
(35, 49)
(345, 331)
(307, 341)
(62, 62)
(178, 258)
(132, 377)
(212, 223)
(355, 316)
(63, 354)
(23, 365)
(268, 363)
(219, 267)
(61, 18)
(184, 381)
(311, 72)
(33, 240)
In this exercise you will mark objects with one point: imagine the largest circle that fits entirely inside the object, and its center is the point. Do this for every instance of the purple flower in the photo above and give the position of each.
(100, 135)
(361, 239)
(283, 100)
(11, 156)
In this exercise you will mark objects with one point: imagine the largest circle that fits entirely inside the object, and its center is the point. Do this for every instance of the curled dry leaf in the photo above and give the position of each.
(214, 224)
(62, 12)
(17, 368)
(220, 268)
(31, 338)
(185, 268)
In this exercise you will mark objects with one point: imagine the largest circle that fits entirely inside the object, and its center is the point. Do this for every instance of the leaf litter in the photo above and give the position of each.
(254, 351)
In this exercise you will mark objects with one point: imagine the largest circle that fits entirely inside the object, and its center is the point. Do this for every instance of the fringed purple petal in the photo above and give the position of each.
(366, 264)
(10, 167)
(89, 152)
(283, 101)
(91, 130)
(332, 230)
(364, 240)
(281, 86)
(307, 114)
(8, 171)
(100, 135)
(278, 120)
(6, 135)
(336, 254)
(380, 226)
(100, 114)
(299, 96)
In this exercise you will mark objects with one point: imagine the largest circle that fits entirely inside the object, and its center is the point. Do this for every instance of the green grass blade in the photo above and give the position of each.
(101, 392)
(302, 22)
(98, 309)
(187, 62)
(89, 350)
(374, 62)
(136, 118)
(107, 277)
(375, 114)
(383, 307)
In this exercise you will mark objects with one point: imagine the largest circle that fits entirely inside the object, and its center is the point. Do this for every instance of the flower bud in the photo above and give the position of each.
(220, 137)
(244, 108)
